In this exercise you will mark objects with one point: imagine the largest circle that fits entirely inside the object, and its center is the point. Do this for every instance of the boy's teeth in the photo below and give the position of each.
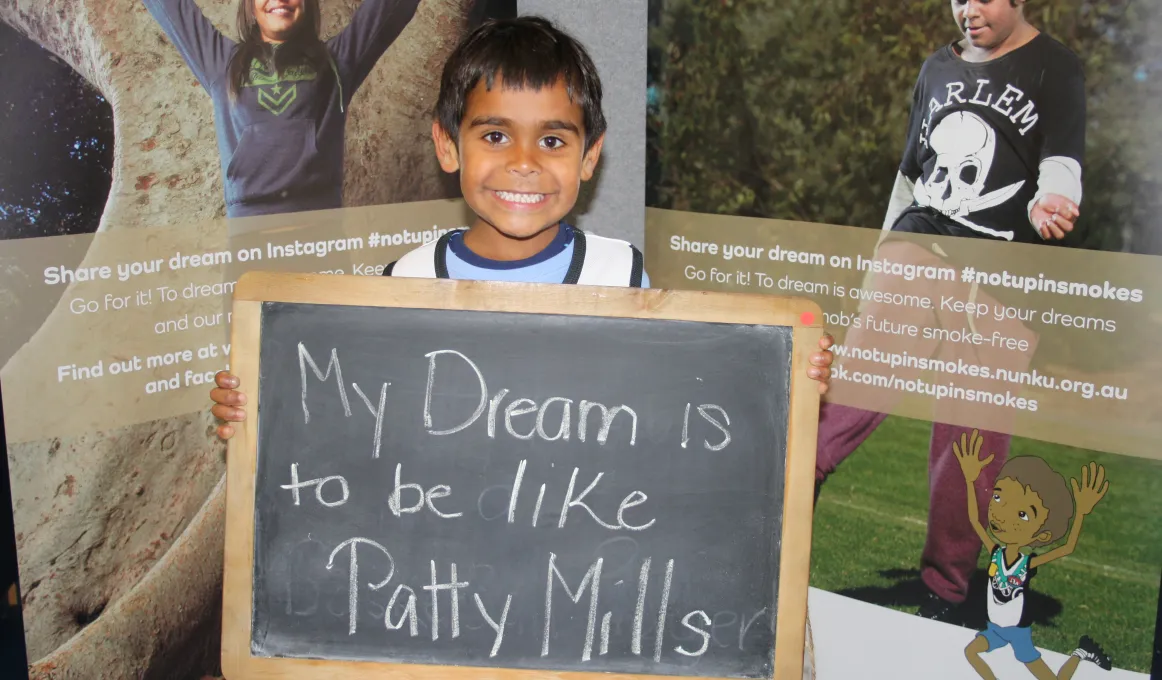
(520, 198)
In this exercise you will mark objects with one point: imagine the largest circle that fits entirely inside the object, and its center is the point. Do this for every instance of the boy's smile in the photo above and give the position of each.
(521, 156)
(1016, 514)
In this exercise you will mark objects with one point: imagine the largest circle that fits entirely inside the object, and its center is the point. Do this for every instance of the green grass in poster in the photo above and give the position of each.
(871, 520)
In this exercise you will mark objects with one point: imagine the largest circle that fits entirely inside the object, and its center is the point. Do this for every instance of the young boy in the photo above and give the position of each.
(1031, 507)
(519, 116)
(994, 150)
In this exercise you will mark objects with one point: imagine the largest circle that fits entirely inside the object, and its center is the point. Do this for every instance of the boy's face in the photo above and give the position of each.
(521, 156)
(986, 24)
(1016, 514)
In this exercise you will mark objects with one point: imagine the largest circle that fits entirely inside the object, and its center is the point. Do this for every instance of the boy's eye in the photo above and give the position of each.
(1023, 515)
(495, 137)
(552, 142)
(997, 497)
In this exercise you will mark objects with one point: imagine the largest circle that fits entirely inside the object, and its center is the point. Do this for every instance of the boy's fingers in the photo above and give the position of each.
(1099, 475)
(228, 413)
(1063, 222)
(822, 359)
(816, 373)
(224, 396)
(1050, 229)
(225, 431)
(1060, 204)
(823, 387)
(826, 341)
(225, 380)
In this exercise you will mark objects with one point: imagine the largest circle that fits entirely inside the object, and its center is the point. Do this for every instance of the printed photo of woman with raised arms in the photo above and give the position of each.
(281, 93)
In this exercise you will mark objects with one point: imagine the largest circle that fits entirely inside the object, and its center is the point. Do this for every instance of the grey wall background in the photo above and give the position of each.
(614, 32)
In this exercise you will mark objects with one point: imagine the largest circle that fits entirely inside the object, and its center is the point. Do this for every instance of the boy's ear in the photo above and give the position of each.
(446, 151)
(1044, 538)
(589, 162)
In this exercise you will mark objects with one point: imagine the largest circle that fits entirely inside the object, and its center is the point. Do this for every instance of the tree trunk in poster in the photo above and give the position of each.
(119, 532)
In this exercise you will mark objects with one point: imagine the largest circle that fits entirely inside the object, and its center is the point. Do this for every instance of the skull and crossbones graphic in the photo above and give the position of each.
(965, 146)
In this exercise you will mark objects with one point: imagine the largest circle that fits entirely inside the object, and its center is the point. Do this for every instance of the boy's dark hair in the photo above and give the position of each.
(1036, 475)
(527, 52)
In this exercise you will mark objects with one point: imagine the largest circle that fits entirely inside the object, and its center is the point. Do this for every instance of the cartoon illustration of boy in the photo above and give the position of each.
(1031, 507)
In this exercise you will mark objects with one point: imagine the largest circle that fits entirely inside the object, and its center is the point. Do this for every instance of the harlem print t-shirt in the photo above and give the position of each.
(983, 136)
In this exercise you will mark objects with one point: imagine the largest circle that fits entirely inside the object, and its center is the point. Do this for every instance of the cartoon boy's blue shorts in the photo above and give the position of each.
(1021, 638)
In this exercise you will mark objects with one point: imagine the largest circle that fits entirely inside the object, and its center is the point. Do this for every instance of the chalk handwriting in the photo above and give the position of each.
(425, 497)
(295, 485)
(591, 580)
(498, 627)
(454, 586)
(353, 575)
(523, 406)
(306, 358)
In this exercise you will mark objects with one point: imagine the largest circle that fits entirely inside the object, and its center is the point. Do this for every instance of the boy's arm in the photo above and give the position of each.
(372, 29)
(1062, 113)
(205, 50)
(1093, 487)
(901, 199)
(909, 170)
(968, 454)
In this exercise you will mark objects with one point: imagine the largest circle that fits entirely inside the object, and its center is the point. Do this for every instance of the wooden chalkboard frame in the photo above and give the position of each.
(254, 288)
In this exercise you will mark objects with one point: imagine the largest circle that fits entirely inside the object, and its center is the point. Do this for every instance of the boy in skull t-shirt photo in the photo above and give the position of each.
(989, 140)
(994, 150)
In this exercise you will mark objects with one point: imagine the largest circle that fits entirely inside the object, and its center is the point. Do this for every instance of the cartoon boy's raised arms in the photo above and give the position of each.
(1031, 507)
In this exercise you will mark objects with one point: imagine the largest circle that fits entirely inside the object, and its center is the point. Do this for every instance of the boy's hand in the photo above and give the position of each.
(1092, 488)
(1053, 216)
(226, 400)
(968, 453)
(820, 363)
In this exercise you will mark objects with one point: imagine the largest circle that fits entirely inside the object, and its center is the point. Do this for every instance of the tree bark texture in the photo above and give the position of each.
(120, 532)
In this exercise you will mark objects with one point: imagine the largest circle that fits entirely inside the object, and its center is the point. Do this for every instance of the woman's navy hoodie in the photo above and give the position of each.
(281, 140)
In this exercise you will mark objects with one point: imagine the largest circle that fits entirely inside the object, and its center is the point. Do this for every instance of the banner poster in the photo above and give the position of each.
(148, 160)
(989, 467)
(143, 170)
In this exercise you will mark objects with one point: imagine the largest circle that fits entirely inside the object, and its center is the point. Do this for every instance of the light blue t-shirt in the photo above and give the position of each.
(548, 266)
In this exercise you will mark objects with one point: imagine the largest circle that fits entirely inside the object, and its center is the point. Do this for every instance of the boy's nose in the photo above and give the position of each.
(523, 161)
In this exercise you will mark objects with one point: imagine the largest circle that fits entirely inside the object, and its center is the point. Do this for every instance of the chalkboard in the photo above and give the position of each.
(457, 483)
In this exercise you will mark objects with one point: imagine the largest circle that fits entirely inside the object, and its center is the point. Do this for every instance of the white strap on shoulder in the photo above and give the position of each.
(417, 264)
(609, 262)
